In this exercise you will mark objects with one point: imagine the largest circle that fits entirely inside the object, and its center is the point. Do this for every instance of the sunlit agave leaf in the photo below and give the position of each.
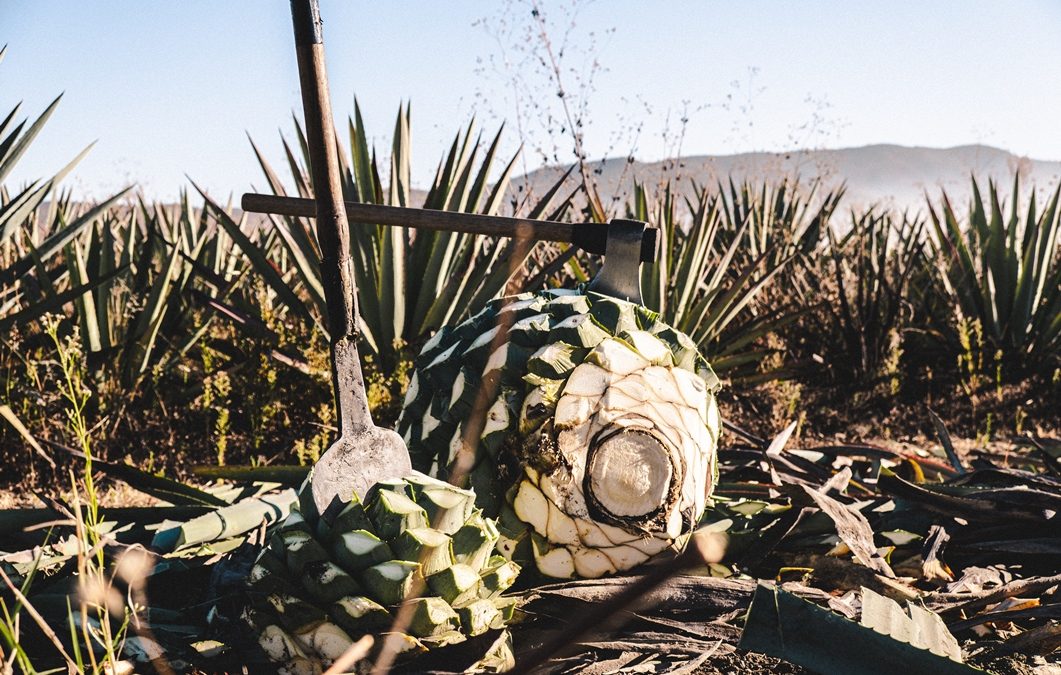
(783, 625)
(54, 303)
(258, 260)
(1002, 273)
(59, 239)
(226, 522)
(20, 141)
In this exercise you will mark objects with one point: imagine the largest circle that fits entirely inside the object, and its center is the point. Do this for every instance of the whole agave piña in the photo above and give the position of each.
(598, 448)
(319, 585)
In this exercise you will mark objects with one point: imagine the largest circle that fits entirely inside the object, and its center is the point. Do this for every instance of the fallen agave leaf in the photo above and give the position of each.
(783, 625)
(922, 628)
(933, 568)
(854, 530)
(225, 523)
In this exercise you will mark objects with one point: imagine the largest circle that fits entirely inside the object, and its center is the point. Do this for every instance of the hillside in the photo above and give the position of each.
(889, 174)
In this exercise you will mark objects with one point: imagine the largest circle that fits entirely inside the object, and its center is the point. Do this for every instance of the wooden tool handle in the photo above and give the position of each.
(333, 233)
(593, 235)
(590, 237)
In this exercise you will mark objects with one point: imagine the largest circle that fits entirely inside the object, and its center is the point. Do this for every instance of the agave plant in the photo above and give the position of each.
(585, 423)
(416, 545)
(409, 282)
(870, 266)
(129, 276)
(30, 235)
(705, 283)
(776, 220)
(1003, 273)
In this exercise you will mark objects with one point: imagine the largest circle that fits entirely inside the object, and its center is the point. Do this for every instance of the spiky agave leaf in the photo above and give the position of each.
(321, 583)
(599, 437)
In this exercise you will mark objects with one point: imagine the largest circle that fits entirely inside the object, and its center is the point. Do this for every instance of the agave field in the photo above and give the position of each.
(827, 441)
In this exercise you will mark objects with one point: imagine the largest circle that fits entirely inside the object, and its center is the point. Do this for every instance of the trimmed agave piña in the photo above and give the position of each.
(320, 585)
(598, 447)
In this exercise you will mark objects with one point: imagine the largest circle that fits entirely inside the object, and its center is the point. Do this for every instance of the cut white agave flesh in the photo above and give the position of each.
(591, 535)
(574, 445)
(358, 550)
(535, 401)
(662, 384)
(592, 564)
(453, 581)
(482, 340)
(478, 617)
(391, 581)
(432, 617)
(635, 387)
(531, 507)
(434, 341)
(430, 424)
(443, 357)
(674, 524)
(458, 388)
(548, 486)
(497, 359)
(530, 330)
(327, 641)
(533, 474)
(566, 489)
(520, 305)
(428, 546)
(413, 390)
(616, 402)
(561, 527)
(497, 417)
(614, 535)
(572, 411)
(691, 387)
(499, 575)
(357, 606)
(455, 445)
(557, 562)
(667, 417)
(327, 582)
(630, 474)
(580, 329)
(617, 357)
(278, 645)
(691, 420)
(651, 347)
(713, 418)
(587, 379)
(554, 360)
(627, 556)
(506, 546)
(567, 305)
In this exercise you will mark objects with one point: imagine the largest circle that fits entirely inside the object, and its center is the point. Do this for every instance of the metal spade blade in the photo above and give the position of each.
(364, 454)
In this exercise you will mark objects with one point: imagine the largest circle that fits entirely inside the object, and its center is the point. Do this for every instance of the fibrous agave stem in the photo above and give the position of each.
(631, 477)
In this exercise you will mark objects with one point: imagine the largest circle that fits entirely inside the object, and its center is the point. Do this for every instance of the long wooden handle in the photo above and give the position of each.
(591, 237)
(332, 229)
(333, 233)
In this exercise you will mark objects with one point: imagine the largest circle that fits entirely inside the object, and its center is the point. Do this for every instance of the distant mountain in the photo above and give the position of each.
(891, 175)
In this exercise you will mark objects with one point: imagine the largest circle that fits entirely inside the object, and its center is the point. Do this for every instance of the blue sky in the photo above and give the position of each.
(173, 88)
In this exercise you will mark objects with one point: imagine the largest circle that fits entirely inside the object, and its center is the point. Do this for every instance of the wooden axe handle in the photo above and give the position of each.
(590, 237)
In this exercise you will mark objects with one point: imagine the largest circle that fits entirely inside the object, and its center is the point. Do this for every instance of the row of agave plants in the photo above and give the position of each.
(194, 307)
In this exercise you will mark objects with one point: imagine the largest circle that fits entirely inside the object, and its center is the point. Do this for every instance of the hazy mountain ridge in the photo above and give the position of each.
(890, 175)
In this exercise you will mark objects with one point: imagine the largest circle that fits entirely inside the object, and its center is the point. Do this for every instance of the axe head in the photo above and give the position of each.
(629, 243)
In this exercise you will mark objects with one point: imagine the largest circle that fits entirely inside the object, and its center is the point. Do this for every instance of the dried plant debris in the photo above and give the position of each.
(872, 558)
